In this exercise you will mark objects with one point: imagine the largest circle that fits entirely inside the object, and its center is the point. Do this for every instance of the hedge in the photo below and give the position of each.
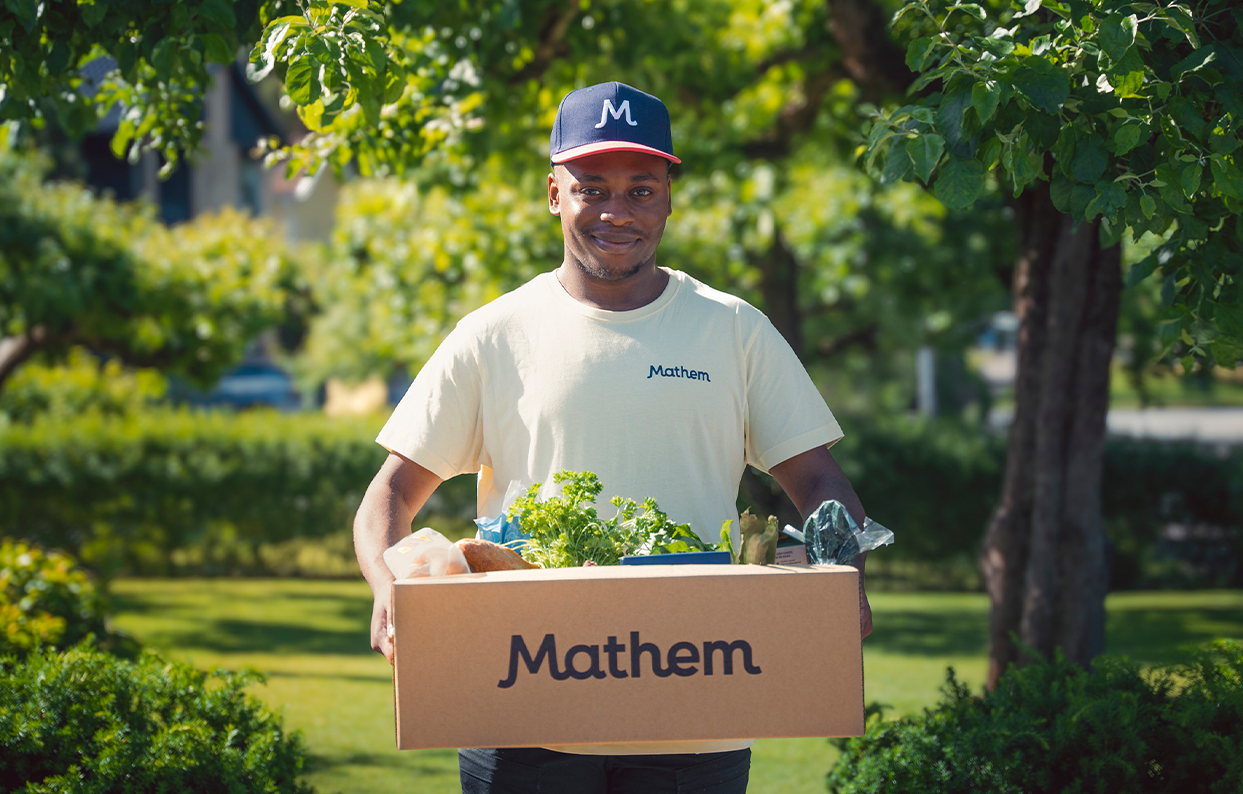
(125, 493)
(86, 722)
(1055, 727)
(216, 492)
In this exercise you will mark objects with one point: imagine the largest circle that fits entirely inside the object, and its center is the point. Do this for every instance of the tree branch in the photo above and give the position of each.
(551, 37)
(873, 61)
(15, 350)
(795, 118)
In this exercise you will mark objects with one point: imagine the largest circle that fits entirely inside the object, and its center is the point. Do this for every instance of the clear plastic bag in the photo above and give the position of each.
(425, 553)
(833, 537)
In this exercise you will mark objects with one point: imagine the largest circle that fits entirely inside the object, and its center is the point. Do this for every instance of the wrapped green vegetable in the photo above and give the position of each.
(833, 537)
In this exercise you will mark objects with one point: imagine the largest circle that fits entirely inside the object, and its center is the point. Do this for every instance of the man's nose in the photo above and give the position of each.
(617, 211)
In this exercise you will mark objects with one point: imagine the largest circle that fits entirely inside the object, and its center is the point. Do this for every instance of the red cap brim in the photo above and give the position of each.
(609, 146)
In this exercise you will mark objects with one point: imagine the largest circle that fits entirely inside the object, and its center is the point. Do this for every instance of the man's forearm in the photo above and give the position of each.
(814, 478)
(384, 517)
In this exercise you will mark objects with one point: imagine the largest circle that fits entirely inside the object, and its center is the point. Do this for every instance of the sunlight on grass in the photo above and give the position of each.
(310, 639)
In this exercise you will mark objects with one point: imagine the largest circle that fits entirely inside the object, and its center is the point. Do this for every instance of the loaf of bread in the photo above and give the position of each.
(484, 555)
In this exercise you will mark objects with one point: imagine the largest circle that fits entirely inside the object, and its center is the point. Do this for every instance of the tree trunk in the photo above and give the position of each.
(779, 272)
(1044, 553)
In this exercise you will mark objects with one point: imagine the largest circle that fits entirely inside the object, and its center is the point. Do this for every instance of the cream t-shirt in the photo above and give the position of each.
(671, 400)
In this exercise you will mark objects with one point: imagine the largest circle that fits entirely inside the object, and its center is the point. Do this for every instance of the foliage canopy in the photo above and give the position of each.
(1131, 111)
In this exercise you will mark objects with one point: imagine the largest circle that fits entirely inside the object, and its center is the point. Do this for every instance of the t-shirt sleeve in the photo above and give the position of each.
(437, 423)
(786, 415)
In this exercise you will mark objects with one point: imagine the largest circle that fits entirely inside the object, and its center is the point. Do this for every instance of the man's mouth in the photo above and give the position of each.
(614, 243)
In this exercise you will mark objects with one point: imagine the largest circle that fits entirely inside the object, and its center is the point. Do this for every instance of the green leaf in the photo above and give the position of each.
(1229, 318)
(1142, 270)
(1148, 205)
(924, 152)
(990, 153)
(974, 10)
(394, 85)
(950, 121)
(122, 137)
(1226, 177)
(1059, 191)
(1190, 179)
(163, 57)
(998, 48)
(1126, 138)
(1042, 83)
(1109, 199)
(984, 97)
(218, 50)
(1194, 62)
(320, 49)
(1029, 7)
(1117, 35)
(1226, 355)
(220, 12)
(1182, 22)
(959, 182)
(1168, 292)
(1090, 161)
(897, 166)
(1043, 129)
(302, 81)
(917, 53)
(1080, 197)
(352, 3)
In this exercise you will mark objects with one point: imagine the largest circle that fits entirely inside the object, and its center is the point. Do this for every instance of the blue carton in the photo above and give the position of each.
(681, 558)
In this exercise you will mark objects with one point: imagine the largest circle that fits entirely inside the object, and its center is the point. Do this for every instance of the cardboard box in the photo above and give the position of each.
(627, 654)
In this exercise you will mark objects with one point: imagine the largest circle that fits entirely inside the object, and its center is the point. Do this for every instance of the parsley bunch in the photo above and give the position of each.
(565, 531)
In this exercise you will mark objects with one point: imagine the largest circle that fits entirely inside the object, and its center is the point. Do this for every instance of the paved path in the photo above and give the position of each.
(1208, 425)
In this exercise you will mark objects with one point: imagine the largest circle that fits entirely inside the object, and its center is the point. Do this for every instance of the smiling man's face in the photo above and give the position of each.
(613, 208)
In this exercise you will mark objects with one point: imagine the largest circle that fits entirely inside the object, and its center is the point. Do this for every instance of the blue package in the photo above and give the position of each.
(681, 558)
(502, 531)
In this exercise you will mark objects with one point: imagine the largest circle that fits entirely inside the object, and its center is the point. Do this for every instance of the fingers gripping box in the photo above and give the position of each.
(627, 654)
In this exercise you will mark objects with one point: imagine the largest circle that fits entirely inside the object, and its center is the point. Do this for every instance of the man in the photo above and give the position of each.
(660, 385)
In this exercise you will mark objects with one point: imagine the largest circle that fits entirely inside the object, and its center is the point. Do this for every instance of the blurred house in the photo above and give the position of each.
(224, 172)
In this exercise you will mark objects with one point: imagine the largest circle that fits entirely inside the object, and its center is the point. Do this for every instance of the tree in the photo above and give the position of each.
(77, 270)
(1102, 118)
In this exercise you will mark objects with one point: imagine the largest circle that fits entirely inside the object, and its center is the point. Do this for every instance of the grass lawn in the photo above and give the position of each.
(310, 639)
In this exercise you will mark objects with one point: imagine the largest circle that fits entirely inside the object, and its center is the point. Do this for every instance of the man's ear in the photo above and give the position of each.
(669, 209)
(554, 195)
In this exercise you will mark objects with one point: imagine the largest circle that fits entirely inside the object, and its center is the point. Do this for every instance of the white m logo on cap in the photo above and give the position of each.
(608, 110)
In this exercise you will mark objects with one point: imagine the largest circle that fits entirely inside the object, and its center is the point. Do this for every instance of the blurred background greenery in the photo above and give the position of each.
(196, 352)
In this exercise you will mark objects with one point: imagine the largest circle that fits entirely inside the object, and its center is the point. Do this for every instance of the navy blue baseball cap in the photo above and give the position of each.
(610, 117)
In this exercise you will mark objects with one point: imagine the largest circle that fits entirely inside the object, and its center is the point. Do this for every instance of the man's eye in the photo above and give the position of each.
(642, 192)
(591, 191)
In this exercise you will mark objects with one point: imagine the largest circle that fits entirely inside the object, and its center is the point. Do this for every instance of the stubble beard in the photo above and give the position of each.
(608, 275)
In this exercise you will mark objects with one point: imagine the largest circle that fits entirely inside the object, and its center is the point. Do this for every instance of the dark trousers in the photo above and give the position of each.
(533, 770)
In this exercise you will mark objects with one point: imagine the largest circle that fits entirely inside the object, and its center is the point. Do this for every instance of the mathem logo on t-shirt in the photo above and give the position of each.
(678, 372)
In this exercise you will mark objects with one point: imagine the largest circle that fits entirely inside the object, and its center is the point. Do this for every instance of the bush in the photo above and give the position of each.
(45, 599)
(174, 491)
(125, 493)
(1054, 727)
(82, 384)
(85, 721)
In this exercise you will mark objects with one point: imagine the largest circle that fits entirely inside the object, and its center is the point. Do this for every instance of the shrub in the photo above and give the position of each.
(174, 491)
(82, 384)
(45, 599)
(85, 721)
(124, 493)
(1054, 727)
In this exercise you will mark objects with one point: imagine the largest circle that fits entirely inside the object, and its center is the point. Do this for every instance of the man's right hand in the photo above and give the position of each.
(396, 494)
(381, 640)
